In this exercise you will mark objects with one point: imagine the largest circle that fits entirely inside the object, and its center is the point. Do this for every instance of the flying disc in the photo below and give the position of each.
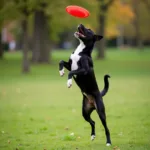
(77, 11)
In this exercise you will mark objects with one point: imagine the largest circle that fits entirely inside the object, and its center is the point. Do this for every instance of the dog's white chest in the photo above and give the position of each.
(75, 57)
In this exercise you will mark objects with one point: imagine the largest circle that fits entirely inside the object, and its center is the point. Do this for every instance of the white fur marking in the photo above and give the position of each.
(75, 57)
(62, 72)
(69, 83)
(76, 35)
(108, 144)
(92, 137)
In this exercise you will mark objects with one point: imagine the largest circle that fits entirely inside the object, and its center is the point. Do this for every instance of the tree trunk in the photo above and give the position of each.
(103, 10)
(25, 65)
(138, 40)
(1, 47)
(36, 37)
(44, 52)
(41, 38)
(101, 31)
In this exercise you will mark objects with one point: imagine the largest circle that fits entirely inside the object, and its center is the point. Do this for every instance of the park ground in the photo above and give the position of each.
(39, 112)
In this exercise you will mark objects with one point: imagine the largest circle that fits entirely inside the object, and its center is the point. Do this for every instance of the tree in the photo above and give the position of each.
(103, 12)
(138, 28)
(25, 63)
(138, 40)
(147, 3)
(116, 23)
(23, 8)
(16, 9)
(41, 47)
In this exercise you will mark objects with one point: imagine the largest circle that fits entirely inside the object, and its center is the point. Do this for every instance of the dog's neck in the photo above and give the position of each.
(82, 48)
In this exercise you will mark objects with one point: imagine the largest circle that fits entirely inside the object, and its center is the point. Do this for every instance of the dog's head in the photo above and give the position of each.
(86, 35)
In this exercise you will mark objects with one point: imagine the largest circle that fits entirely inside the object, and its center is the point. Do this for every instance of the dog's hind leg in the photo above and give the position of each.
(87, 109)
(101, 112)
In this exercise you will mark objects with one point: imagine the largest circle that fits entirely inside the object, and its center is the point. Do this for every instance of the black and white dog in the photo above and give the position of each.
(81, 69)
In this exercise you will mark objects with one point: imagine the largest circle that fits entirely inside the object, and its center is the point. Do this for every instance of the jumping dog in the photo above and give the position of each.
(80, 67)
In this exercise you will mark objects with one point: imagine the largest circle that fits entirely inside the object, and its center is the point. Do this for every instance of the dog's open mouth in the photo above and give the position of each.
(80, 33)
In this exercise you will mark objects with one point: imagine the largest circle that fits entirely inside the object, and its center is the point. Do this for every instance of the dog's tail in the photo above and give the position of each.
(106, 85)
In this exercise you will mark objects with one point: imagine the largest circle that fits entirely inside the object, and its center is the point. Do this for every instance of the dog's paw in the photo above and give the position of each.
(69, 83)
(108, 144)
(62, 72)
(92, 137)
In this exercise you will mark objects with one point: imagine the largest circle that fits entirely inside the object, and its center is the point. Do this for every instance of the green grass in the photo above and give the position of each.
(38, 111)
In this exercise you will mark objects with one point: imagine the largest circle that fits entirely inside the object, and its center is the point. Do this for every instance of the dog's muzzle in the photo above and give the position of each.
(78, 34)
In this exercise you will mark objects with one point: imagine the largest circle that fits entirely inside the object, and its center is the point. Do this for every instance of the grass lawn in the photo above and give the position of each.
(39, 112)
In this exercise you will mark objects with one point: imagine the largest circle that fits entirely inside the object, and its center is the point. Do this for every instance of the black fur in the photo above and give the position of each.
(84, 77)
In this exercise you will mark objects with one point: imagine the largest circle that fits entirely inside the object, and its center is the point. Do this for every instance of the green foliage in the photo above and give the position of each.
(8, 11)
(60, 20)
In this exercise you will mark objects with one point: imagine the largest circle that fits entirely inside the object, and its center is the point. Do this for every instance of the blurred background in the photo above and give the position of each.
(37, 110)
(40, 27)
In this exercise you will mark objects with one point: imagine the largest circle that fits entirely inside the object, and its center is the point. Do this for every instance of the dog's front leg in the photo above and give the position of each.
(81, 71)
(63, 64)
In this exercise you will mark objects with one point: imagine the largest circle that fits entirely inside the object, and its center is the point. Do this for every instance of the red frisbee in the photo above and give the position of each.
(77, 11)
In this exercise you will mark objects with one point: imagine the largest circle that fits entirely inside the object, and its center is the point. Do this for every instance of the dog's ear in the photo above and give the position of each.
(98, 37)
